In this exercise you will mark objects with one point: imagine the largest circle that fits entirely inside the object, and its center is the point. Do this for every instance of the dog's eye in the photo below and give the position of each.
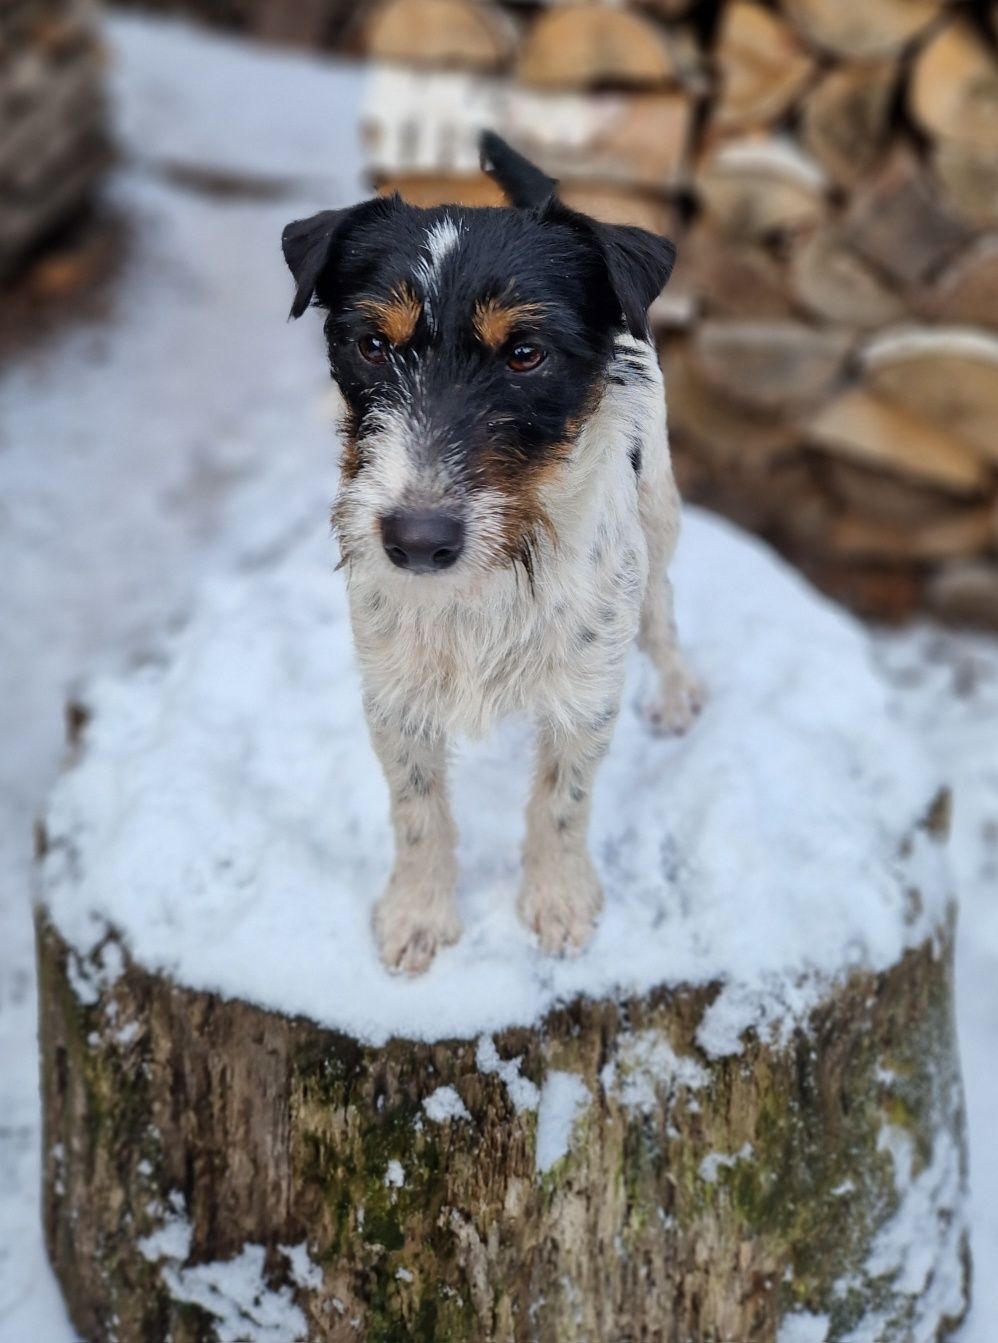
(374, 348)
(525, 358)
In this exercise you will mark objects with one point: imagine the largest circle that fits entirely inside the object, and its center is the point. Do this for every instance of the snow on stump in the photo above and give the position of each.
(736, 1117)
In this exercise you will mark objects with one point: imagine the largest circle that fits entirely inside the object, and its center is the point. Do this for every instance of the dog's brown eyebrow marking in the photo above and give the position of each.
(495, 320)
(396, 315)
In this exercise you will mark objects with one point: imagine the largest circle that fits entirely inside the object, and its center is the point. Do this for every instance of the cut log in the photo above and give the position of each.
(761, 67)
(428, 123)
(429, 189)
(620, 205)
(638, 140)
(856, 31)
(771, 366)
(869, 428)
(885, 495)
(754, 188)
(953, 535)
(898, 223)
(301, 24)
(459, 34)
(845, 119)
(722, 431)
(738, 279)
(969, 182)
(948, 375)
(834, 283)
(965, 593)
(744, 1094)
(592, 46)
(967, 292)
(954, 88)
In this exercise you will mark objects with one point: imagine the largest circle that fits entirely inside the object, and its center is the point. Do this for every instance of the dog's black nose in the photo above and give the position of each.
(422, 541)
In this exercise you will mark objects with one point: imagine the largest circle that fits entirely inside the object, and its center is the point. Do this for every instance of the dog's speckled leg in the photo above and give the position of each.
(417, 915)
(561, 897)
(677, 697)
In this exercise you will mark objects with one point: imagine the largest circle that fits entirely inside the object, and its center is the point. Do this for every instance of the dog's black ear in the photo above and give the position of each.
(310, 244)
(522, 181)
(639, 264)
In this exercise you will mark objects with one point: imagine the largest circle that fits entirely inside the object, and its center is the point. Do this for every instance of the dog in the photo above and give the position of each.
(505, 515)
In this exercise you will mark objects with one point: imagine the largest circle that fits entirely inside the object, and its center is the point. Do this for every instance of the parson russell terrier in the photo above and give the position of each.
(505, 515)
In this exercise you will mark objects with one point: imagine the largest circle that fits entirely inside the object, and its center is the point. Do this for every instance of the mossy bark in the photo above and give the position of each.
(698, 1199)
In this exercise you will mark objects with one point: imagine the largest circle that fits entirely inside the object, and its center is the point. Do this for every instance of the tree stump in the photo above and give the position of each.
(736, 1117)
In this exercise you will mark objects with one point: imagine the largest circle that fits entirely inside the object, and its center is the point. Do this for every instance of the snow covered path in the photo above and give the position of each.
(188, 434)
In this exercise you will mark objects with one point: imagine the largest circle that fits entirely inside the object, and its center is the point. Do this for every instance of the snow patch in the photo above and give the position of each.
(910, 342)
(305, 1272)
(778, 154)
(233, 782)
(522, 1092)
(803, 1327)
(564, 1097)
(395, 1175)
(445, 1103)
(646, 1066)
(712, 1165)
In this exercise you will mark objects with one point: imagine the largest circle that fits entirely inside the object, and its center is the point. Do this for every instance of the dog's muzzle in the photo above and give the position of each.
(422, 541)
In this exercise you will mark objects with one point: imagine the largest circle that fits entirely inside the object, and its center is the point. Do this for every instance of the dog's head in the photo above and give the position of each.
(470, 347)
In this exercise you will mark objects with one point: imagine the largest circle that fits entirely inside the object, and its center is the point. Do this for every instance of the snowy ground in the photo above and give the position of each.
(187, 435)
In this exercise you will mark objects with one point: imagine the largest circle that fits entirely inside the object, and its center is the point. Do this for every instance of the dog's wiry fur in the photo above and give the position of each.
(560, 476)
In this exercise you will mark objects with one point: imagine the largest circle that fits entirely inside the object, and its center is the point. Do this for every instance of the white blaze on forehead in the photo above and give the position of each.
(441, 240)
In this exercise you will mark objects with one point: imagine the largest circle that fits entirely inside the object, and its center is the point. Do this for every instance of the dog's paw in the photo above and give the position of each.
(411, 930)
(560, 904)
(672, 710)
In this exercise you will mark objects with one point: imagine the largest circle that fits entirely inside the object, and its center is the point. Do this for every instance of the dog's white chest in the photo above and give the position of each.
(556, 648)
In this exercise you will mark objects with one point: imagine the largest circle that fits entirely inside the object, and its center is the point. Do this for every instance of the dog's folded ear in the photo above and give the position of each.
(638, 265)
(310, 245)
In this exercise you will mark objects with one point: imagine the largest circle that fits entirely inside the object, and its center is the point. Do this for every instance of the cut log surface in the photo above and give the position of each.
(947, 375)
(781, 366)
(753, 188)
(761, 65)
(902, 225)
(967, 293)
(877, 430)
(874, 28)
(968, 178)
(738, 1113)
(954, 88)
(460, 34)
(836, 284)
(738, 279)
(590, 45)
(844, 120)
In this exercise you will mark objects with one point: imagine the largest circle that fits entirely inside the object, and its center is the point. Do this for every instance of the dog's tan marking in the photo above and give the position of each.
(495, 319)
(397, 316)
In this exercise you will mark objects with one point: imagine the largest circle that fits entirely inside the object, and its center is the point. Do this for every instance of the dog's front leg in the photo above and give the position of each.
(418, 912)
(561, 896)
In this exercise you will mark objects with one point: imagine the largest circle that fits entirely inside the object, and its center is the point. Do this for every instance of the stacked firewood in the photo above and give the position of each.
(830, 171)
(52, 143)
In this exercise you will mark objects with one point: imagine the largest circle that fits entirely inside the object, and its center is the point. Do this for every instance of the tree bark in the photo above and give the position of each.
(697, 1197)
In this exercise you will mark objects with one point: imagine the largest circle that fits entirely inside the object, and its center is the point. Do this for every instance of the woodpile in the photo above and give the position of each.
(829, 169)
(52, 143)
